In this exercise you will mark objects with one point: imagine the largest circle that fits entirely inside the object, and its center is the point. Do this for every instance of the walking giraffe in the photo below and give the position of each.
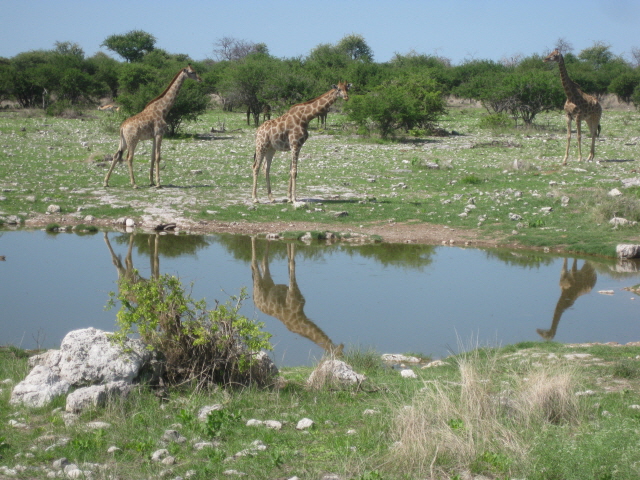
(289, 132)
(579, 106)
(149, 124)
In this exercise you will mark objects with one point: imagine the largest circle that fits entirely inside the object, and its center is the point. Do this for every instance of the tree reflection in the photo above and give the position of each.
(573, 284)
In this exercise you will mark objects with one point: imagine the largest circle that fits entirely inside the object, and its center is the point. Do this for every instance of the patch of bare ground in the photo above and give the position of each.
(407, 232)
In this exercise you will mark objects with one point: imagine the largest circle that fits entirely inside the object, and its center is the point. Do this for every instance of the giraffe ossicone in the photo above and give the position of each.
(579, 106)
(288, 133)
(149, 124)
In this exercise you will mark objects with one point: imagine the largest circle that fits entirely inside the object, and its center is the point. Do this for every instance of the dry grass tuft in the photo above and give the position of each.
(477, 423)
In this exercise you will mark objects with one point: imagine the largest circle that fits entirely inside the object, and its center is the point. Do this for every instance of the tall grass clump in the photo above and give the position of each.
(606, 207)
(484, 423)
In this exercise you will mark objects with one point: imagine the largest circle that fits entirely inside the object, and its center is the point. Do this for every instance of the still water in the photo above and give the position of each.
(392, 298)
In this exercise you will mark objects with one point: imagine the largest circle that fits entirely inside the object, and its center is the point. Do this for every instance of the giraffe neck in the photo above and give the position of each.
(166, 99)
(570, 88)
(313, 108)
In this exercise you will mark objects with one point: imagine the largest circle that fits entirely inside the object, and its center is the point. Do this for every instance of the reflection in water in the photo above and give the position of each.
(127, 271)
(285, 302)
(573, 284)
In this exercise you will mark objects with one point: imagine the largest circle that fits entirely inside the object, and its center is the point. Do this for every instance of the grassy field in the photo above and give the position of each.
(529, 411)
(506, 184)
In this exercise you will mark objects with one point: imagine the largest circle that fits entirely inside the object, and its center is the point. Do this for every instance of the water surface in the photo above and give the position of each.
(390, 297)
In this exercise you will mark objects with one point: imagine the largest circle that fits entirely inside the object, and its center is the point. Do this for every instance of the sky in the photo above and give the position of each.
(459, 30)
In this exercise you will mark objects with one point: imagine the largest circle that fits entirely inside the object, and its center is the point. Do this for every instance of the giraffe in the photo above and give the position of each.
(289, 132)
(579, 106)
(286, 302)
(149, 124)
(573, 284)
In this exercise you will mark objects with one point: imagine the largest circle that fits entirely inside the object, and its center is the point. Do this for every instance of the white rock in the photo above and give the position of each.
(206, 410)
(173, 436)
(94, 396)
(408, 373)
(254, 423)
(203, 445)
(39, 387)
(158, 455)
(53, 209)
(628, 251)
(304, 424)
(397, 358)
(435, 363)
(87, 357)
(335, 370)
(130, 222)
(614, 193)
(273, 424)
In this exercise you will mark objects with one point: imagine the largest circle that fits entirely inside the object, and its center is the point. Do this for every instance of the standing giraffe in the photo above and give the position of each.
(149, 124)
(286, 302)
(289, 132)
(580, 106)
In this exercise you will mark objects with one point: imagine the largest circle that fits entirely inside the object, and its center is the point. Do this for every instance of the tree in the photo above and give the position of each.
(131, 46)
(624, 85)
(413, 101)
(356, 48)
(248, 81)
(233, 49)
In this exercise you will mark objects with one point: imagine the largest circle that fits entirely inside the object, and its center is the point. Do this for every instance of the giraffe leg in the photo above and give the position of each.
(130, 165)
(593, 129)
(579, 137)
(157, 145)
(116, 158)
(566, 153)
(267, 168)
(295, 152)
(258, 156)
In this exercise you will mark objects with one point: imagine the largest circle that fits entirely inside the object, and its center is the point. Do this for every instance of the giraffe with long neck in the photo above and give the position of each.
(286, 302)
(288, 133)
(579, 106)
(150, 124)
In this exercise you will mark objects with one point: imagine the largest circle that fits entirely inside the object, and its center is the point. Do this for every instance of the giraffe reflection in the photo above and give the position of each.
(127, 271)
(573, 284)
(285, 302)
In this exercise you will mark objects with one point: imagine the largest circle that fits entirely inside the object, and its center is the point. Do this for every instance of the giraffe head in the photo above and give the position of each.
(191, 73)
(554, 56)
(343, 90)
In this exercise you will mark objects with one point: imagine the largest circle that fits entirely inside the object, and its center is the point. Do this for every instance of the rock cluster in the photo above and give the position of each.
(89, 363)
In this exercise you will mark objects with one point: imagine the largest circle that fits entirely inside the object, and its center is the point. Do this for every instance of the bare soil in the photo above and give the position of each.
(408, 232)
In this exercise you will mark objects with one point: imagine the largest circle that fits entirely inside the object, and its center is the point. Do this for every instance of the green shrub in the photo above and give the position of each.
(495, 121)
(195, 344)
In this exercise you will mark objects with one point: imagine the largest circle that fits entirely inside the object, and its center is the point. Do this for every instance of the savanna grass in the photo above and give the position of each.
(483, 179)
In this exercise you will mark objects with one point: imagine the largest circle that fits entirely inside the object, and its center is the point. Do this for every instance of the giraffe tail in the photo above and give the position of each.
(598, 132)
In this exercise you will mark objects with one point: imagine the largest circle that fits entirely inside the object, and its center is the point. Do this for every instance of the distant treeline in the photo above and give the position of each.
(404, 94)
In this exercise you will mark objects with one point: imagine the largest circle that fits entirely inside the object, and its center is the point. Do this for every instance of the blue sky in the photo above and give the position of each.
(456, 29)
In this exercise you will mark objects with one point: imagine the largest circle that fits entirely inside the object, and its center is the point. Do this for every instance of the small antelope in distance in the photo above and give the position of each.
(109, 108)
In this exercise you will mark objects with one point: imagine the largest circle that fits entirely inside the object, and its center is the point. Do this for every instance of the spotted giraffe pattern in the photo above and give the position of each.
(579, 106)
(288, 133)
(149, 124)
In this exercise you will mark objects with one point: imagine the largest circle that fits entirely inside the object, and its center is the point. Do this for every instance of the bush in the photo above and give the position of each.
(412, 102)
(195, 344)
(495, 121)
